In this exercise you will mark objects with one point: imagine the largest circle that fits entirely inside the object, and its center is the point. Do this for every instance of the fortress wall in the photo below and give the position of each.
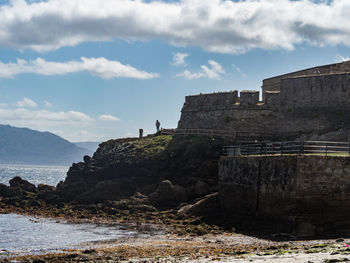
(249, 97)
(236, 118)
(316, 93)
(306, 194)
(272, 99)
(205, 112)
(211, 101)
(274, 83)
(304, 105)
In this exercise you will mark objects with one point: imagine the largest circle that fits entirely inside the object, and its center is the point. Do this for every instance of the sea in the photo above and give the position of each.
(31, 235)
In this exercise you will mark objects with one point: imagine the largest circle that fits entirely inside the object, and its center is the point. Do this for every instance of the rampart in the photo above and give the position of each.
(274, 83)
(306, 195)
(316, 103)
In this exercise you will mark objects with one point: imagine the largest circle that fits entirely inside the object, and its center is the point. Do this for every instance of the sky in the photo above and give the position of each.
(93, 70)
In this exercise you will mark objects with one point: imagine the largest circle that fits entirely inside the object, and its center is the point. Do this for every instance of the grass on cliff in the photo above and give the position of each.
(189, 147)
(152, 146)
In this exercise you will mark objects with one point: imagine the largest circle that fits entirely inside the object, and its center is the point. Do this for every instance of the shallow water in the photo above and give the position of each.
(36, 174)
(22, 234)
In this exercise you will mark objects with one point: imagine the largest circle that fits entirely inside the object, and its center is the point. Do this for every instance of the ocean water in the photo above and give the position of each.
(28, 235)
(35, 174)
(23, 234)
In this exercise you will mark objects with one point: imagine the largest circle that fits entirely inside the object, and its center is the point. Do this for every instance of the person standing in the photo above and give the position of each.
(157, 125)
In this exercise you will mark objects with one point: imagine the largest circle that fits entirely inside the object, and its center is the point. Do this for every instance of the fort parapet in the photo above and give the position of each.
(274, 83)
(301, 105)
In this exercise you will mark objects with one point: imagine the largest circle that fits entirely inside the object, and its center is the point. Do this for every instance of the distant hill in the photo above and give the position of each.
(92, 146)
(26, 146)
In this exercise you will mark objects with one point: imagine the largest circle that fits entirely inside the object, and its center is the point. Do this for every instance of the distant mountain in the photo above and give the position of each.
(92, 146)
(26, 146)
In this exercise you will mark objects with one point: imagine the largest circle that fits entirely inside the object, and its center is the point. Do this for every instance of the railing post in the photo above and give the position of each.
(281, 149)
(326, 149)
(302, 150)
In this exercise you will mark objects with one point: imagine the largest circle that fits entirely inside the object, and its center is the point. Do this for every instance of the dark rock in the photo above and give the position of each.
(33, 202)
(14, 192)
(165, 188)
(207, 206)
(163, 198)
(136, 203)
(3, 189)
(46, 188)
(201, 188)
(168, 195)
(12, 201)
(106, 190)
(50, 197)
(23, 184)
(23, 204)
(179, 194)
(86, 158)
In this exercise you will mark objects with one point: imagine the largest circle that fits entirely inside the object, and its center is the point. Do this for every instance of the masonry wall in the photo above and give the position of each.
(237, 114)
(274, 84)
(305, 195)
(319, 93)
(304, 105)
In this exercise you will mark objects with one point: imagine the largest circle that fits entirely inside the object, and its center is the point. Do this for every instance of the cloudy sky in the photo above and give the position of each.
(101, 69)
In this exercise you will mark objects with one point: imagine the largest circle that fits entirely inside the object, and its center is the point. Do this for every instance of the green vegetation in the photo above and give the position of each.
(152, 146)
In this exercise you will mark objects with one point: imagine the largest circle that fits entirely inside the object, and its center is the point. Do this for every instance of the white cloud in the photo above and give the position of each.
(179, 59)
(43, 118)
(3, 105)
(214, 71)
(215, 25)
(239, 71)
(339, 58)
(107, 117)
(47, 104)
(26, 103)
(100, 67)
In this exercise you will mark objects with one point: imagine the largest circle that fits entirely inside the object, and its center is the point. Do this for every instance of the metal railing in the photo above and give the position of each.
(291, 147)
(236, 135)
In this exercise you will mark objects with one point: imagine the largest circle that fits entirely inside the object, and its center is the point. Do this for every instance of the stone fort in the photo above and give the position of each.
(301, 194)
(310, 102)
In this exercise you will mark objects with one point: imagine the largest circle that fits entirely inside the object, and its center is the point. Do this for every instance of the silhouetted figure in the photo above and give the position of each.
(157, 125)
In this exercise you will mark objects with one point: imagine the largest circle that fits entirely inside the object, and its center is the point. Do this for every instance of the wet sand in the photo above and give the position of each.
(207, 248)
(181, 242)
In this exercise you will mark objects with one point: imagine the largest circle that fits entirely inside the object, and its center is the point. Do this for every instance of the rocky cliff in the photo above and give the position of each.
(168, 170)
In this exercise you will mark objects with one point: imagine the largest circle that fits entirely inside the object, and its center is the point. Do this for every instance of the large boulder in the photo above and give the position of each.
(23, 184)
(207, 206)
(201, 188)
(168, 195)
(106, 190)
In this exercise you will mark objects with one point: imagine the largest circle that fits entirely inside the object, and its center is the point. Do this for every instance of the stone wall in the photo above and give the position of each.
(274, 83)
(316, 93)
(304, 105)
(234, 113)
(305, 195)
(211, 101)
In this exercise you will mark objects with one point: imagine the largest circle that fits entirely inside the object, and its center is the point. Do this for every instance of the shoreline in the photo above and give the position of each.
(170, 247)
